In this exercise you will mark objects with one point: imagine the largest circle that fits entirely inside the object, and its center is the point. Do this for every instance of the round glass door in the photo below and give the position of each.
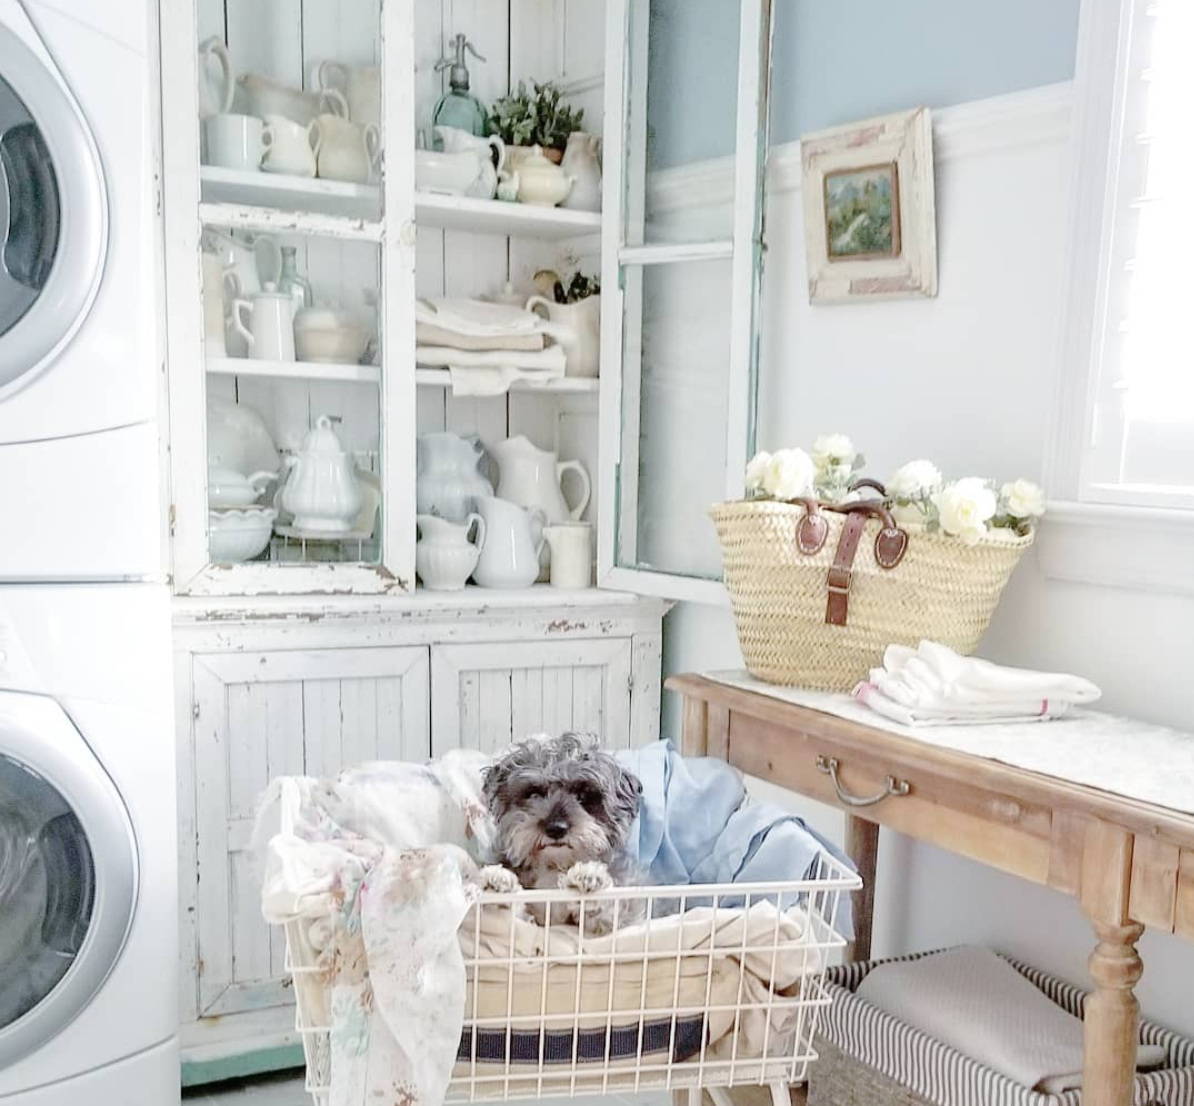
(47, 889)
(53, 214)
(68, 873)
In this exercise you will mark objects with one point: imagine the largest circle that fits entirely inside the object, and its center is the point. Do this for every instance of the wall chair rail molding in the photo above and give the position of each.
(1017, 120)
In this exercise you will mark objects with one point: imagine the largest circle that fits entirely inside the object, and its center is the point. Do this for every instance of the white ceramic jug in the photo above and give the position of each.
(580, 161)
(347, 151)
(571, 545)
(533, 477)
(215, 99)
(444, 555)
(321, 489)
(293, 148)
(581, 337)
(513, 541)
(361, 86)
(269, 330)
(457, 141)
(449, 481)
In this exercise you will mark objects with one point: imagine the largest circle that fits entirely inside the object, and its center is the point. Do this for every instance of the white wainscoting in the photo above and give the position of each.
(965, 379)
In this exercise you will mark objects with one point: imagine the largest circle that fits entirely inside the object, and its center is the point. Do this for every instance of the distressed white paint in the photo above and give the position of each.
(313, 684)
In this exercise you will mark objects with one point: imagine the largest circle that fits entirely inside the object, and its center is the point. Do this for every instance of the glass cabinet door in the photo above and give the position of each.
(683, 249)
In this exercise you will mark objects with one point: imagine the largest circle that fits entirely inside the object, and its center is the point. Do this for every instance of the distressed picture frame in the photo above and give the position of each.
(870, 224)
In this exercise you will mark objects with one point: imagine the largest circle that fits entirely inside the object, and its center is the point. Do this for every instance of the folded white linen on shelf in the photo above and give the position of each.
(427, 334)
(933, 685)
(973, 1000)
(477, 318)
(472, 380)
(549, 360)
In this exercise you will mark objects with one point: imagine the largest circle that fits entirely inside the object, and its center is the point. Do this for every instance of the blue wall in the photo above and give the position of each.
(839, 60)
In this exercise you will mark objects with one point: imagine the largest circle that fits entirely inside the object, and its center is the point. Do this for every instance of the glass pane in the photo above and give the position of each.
(47, 889)
(294, 398)
(683, 90)
(29, 210)
(675, 396)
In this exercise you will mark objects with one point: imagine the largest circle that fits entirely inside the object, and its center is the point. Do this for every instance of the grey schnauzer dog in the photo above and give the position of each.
(563, 808)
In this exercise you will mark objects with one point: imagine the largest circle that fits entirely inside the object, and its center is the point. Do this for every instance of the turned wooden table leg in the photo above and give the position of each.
(862, 845)
(1110, 1030)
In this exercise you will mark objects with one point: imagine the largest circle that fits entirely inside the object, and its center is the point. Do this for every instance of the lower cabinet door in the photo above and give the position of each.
(266, 714)
(485, 696)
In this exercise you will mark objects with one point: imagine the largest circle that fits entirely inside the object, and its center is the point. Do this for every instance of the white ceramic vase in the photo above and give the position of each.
(581, 163)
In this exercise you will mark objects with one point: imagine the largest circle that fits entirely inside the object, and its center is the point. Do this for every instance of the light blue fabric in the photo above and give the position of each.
(697, 825)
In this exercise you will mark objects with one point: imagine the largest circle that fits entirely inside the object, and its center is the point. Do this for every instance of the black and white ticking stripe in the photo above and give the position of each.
(942, 1075)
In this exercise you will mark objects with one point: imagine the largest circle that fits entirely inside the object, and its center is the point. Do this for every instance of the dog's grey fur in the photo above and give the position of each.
(563, 809)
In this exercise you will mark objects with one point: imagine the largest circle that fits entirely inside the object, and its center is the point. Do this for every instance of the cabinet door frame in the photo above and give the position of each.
(191, 568)
(620, 377)
(219, 992)
(614, 655)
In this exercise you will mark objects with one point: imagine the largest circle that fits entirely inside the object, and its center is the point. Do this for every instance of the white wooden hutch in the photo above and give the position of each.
(303, 663)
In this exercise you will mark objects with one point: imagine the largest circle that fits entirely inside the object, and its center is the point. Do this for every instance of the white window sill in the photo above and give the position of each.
(1141, 548)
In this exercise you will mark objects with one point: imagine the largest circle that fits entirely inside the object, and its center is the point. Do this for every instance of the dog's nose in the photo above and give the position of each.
(556, 829)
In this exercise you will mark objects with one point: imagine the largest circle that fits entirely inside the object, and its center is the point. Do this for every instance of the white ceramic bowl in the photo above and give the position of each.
(449, 174)
(236, 536)
(340, 344)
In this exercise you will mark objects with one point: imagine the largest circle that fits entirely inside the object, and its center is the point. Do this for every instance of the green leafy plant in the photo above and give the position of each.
(538, 118)
(581, 287)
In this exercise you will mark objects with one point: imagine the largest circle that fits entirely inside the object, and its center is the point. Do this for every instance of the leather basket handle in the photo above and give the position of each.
(891, 543)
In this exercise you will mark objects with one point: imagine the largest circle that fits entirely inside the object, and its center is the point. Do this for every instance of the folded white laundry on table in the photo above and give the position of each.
(428, 334)
(933, 685)
(477, 318)
(973, 1000)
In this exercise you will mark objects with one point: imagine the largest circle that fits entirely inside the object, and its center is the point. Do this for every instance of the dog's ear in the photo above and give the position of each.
(628, 794)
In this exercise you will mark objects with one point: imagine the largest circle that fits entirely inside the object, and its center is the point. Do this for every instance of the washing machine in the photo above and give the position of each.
(81, 364)
(88, 855)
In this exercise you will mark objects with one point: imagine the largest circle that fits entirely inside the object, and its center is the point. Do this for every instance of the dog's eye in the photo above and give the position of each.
(588, 796)
(533, 791)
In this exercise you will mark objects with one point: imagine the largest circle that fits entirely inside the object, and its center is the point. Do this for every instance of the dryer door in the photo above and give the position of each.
(53, 214)
(68, 873)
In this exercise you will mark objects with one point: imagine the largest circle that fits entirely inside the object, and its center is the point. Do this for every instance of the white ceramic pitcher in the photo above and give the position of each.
(579, 326)
(444, 556)
(533, 477)
(513, 541)
(457, 141)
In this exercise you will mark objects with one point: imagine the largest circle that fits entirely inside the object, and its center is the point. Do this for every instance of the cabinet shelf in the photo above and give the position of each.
(295, 370)
(277, 190)
(563, 385)
(497, 217)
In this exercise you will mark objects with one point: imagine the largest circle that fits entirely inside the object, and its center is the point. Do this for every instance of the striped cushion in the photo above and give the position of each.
(938, 1073)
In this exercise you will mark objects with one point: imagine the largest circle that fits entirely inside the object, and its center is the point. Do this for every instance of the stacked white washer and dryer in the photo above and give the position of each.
(88, 859)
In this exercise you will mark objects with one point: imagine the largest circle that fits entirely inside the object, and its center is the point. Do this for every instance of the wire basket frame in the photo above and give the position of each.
(628, 1012)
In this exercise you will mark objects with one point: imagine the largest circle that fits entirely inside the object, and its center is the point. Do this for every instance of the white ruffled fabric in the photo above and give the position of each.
(933, 685)
(375, 864)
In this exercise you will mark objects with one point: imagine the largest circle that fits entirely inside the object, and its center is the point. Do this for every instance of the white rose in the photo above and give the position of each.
(965, 507)
(756, 469)
(909, 514)
(1023, 499)
(833, 450)
(914, 480)
(789, 474)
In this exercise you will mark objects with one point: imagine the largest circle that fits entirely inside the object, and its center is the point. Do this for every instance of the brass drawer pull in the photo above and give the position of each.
(828, 766)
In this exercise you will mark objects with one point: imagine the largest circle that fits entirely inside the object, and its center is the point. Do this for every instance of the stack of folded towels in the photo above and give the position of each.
(485, 346)
(933, 685)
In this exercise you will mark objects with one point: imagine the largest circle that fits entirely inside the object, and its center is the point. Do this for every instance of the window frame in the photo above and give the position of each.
(1080, 439)
(745, 251)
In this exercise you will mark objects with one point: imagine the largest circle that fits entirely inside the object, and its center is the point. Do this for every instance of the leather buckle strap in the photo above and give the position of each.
(841, 572)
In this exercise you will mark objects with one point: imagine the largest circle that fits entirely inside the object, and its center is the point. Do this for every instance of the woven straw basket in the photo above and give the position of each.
(942, 590)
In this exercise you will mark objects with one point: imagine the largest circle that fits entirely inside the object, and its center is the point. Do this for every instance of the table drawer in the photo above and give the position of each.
(906, 796)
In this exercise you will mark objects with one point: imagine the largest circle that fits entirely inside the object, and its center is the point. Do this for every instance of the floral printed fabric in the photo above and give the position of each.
(379, 920)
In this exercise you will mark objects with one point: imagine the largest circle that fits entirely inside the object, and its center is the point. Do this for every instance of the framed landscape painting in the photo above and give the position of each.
(869, 220)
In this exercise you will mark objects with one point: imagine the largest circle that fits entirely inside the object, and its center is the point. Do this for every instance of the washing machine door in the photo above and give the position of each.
(53, 214)
(68, 873)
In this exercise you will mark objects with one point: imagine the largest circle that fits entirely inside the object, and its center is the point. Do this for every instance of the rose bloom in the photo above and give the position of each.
(913, 480)
(965, 507)
(1023, 499)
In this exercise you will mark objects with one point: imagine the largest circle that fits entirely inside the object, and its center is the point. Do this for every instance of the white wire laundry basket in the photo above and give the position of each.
(696, 987)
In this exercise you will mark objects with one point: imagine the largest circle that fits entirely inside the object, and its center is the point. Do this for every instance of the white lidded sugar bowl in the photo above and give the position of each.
(321, 490)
